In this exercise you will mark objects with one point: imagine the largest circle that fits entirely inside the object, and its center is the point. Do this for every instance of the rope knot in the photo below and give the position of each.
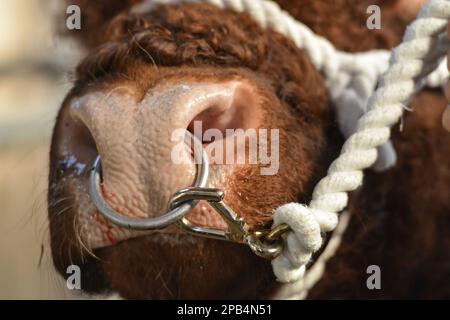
(305, 239)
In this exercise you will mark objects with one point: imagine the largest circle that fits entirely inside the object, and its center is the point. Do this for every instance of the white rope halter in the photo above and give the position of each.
(365, 116)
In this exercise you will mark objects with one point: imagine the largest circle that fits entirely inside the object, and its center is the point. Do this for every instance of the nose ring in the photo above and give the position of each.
(159, 222)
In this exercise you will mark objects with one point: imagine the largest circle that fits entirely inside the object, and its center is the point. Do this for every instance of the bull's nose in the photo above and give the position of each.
(136, 140)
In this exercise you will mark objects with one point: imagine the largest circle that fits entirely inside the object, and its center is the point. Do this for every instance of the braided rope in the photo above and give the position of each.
(409, 62)
(299, 289)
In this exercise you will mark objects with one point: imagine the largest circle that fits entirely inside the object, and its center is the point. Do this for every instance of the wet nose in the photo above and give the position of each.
(136, 138)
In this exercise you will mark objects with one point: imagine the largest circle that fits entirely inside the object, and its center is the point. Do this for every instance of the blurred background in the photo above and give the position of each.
(35, 66)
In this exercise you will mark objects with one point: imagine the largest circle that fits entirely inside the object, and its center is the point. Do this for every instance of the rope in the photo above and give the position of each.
(351, 80)
(408, 61)
(298, 290)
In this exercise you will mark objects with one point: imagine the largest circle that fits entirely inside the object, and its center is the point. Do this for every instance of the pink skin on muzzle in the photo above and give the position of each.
(135, 141)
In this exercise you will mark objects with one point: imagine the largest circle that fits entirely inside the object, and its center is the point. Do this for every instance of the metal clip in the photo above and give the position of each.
(237, 231)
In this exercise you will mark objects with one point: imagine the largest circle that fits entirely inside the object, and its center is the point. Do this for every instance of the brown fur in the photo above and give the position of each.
(399, 223)
(401, 217)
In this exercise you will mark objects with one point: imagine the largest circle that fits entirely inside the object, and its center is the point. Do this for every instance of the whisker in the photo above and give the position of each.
(58, 201)
(82, 244)
(164, 284)
(64, 210)
(144, 50)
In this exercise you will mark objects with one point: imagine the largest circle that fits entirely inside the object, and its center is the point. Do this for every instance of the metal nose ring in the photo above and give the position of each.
(159, 222)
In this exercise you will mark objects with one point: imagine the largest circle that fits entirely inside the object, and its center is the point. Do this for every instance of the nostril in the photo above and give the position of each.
(214, 119)
(222, 118)
(77, 141)
(84, 136)
(99, 118)
(79, 134)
